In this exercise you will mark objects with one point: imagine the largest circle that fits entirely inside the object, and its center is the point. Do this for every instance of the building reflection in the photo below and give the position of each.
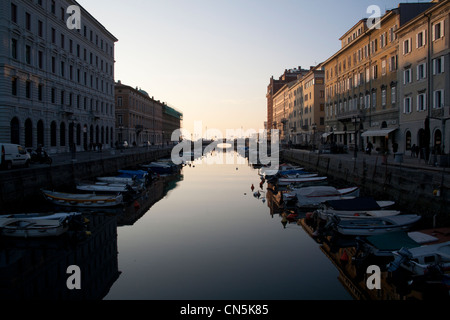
(36, 269)
(155, 192)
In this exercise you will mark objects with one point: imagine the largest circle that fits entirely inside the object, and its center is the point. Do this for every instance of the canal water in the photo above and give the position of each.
(210, 238)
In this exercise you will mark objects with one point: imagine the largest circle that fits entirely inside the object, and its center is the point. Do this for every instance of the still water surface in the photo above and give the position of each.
(209, 238)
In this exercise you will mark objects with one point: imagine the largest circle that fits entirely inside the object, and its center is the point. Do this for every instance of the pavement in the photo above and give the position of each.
(83, 156)
(407, 161)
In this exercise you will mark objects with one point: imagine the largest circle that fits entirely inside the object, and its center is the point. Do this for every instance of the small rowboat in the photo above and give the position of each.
(35, 225)
(301, 179)
(83, 200)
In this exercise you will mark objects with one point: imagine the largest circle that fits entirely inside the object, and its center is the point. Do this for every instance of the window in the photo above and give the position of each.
(438, 65)
(438, 99)
(367, 74)
(40, 28)
(28, 89)
(407, 105)
(407, 76)
(393, 64)
(53, 65)
(421, 102)
(53, 95)
(14, 48)
(14, 86)
(374, 99)
(27, 21)
(53, 7)
(28, 54)
(375, 72)
(53, 35)
(383, 97)
(63, 67)
(394, 95)
(438, 30)
(62, 41)
(383, 67)
(40, 60)
(421, 71)
(40, 92)
(421, 39)
(62, 97)
(367, 102)
(13, 13)
(407, 46)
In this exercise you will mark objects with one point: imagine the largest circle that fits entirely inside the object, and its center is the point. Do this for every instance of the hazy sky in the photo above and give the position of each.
(212, 59)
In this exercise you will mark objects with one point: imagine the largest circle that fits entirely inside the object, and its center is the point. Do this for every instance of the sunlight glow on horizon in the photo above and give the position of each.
(213, 59)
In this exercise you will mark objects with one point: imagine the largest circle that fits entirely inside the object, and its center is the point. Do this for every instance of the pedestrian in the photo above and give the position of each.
(413, 151)
(395, 148)
(369, 148)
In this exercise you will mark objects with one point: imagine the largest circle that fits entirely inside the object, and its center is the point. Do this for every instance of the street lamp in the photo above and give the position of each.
(356, 134)
(314, 127)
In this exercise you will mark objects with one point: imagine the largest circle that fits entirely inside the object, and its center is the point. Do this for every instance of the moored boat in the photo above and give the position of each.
(88, 200)
(313, 197)
(36, 225)
(305, 178)
(422, 260)
(373, 226)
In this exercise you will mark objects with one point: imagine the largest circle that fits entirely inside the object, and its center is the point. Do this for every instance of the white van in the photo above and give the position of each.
(13, 155)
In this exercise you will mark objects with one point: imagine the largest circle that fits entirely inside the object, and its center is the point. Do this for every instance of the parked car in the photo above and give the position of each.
(13, 155)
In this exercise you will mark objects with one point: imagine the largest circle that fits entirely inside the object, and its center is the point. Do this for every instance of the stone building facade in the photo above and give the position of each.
(56, 82)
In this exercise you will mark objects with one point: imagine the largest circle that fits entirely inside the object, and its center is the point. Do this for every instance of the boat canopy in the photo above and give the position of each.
(393, 241)
(356, 204)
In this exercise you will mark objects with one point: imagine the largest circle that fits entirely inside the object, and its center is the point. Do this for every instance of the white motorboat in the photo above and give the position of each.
(421, 260)
(112, 188)
(88, 200)
(35, 225)
(356, 208)
(373, 226)
(301, 179)
(313, 196)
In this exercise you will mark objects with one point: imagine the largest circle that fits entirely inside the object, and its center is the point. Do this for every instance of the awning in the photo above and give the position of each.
(378, 133)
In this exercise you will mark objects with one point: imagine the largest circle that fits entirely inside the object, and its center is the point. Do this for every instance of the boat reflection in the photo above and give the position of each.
(37, 268)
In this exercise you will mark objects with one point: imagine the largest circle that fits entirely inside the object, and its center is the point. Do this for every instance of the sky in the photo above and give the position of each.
(213, 59)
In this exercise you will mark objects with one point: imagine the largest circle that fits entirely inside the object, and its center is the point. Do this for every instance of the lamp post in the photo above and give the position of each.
(356, 135)
(314, 127)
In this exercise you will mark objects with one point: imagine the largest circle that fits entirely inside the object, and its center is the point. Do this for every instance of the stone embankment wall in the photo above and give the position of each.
(22, 186)
(415, 190)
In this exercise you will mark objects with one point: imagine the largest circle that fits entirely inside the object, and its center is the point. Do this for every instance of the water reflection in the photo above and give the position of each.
(37, 269)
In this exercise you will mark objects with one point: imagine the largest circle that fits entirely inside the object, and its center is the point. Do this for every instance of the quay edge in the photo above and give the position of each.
(22, 186)
(415, 190)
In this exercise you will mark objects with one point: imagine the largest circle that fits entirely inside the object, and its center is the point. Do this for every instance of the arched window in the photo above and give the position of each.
(408, 140)
(15, 131)
(40, 133)
(53, 134)
(62, 134)
(437, 141)
(28, 133)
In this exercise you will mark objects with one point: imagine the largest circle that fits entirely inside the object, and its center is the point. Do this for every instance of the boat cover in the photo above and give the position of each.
(393, 241)
(356, 204)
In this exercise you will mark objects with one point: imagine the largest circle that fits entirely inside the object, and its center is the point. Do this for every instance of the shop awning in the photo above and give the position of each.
(378, 133)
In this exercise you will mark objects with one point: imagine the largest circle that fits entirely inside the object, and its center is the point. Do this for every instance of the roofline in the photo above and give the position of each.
(96, 21)
(423, 14)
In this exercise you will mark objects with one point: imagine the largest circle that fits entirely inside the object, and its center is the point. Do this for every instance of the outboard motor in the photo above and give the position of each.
(403, 255)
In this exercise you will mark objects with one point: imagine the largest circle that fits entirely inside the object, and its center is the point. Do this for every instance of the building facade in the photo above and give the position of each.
(56, 83)
(361, 83)
(171, 121)
(306, 115)
(139, 117)
(274, 86)
(424, 94)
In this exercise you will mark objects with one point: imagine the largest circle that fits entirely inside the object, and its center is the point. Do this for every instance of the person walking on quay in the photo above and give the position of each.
(395, 148)
(413, 151)
(369, 148)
